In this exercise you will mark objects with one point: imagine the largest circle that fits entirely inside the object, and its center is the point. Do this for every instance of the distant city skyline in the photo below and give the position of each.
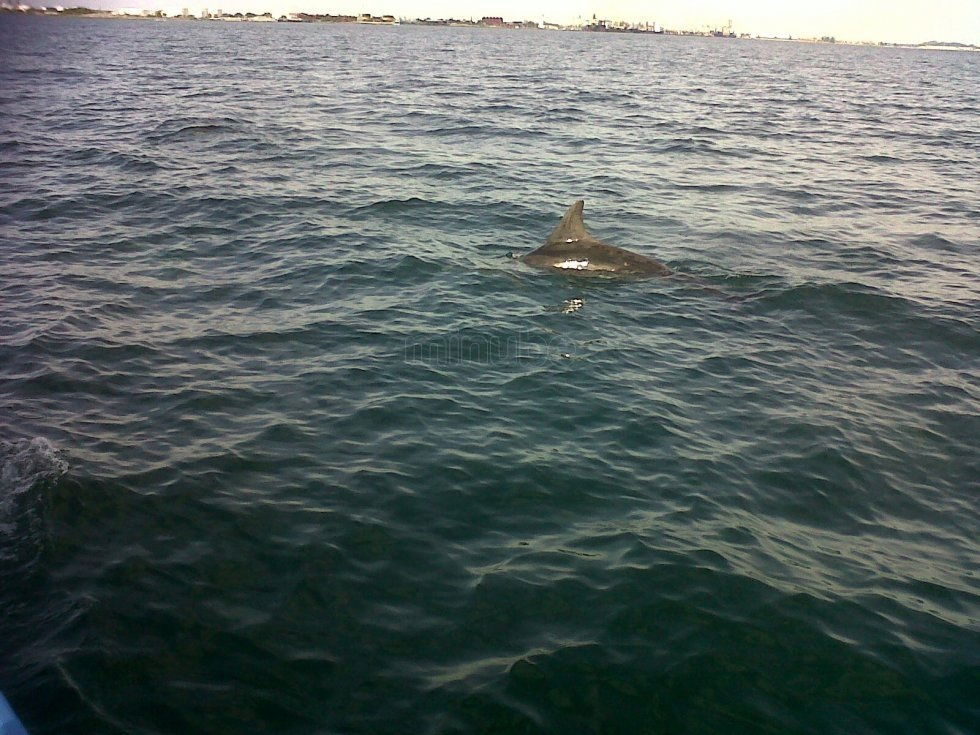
(900, 21)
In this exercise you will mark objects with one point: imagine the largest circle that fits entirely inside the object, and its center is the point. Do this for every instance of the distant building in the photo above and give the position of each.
(492, 21)
(386, 20)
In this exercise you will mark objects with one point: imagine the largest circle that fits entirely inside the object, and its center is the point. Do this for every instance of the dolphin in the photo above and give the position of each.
(572, 249)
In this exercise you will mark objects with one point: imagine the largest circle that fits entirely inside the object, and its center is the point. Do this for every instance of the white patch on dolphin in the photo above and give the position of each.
(576, 265)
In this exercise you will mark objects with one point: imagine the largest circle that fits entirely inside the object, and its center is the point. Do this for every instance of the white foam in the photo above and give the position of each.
(26, 461)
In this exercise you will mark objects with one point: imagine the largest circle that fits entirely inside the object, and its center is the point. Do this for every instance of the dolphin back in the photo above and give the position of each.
(571, 248)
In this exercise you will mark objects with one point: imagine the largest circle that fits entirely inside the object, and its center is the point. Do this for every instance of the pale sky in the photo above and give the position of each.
(903, 21)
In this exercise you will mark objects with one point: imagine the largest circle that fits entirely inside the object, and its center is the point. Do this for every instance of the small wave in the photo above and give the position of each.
(882, 158)
(840, 297)
(26, 461)
(24, 464)
(441, 171)
(474, 131)
(567, 114)
(136, 163)
(178, 130)
(7, 146)
(399, 206)
(933, 241)
(711, 187)
(203, 93)
(414, 268)
(86, 154)
(694, 145)
(801, 194)
(201, 129)
(588, 96)
(707, 130)
(72, 75)
(499, 107)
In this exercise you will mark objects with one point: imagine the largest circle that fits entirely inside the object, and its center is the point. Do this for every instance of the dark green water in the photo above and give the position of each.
(290, 445)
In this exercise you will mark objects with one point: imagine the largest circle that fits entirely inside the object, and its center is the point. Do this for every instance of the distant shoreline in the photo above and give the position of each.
(351, 20)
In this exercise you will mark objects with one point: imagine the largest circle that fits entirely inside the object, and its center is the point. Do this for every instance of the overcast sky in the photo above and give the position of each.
(911, 21)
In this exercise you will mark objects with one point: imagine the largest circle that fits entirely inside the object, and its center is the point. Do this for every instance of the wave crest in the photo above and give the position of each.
(27, 462)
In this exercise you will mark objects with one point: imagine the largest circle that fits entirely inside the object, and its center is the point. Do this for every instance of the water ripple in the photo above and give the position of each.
(319, 455)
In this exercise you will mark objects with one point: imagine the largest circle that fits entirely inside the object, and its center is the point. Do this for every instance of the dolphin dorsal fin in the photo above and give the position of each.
(571, 228)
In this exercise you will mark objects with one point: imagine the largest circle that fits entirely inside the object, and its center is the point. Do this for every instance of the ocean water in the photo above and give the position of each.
(290, 444)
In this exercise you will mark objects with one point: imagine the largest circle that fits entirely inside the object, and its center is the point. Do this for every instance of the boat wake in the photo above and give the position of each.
(25, 464)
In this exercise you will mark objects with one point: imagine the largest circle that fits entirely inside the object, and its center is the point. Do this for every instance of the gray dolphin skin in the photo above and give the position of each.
(572, 249)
